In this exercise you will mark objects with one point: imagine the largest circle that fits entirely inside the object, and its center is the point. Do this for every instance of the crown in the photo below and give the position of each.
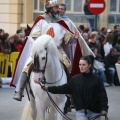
(50, 3)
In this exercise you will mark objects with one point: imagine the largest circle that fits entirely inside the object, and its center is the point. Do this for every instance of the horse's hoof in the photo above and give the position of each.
(18, 96)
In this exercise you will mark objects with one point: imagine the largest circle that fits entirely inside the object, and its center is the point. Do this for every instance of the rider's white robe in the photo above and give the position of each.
(41, 28)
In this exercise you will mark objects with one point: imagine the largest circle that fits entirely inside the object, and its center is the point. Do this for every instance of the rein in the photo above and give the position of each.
(43, 82)
(53, 82)
(61, 112)
(55, 105)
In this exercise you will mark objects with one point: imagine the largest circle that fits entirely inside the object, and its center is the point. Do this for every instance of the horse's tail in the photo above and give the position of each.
(26, 112)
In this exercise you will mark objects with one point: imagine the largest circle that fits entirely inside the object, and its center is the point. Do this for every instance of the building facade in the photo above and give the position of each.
(15, 14)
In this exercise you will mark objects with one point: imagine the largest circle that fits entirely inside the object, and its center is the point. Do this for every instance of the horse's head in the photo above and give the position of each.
(40, 55)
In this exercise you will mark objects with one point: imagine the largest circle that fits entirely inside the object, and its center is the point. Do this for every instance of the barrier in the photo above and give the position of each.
(4, 64)
(7, 60)
(13, 59)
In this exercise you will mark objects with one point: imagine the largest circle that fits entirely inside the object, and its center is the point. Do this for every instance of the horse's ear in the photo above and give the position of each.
(30, 38)
(46, 42)
(28, 27)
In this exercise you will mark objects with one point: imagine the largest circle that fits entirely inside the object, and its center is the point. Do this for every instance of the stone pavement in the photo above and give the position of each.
(11, 109)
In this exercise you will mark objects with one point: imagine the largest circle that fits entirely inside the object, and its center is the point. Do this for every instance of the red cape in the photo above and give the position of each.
(77, 55)
(37, 19)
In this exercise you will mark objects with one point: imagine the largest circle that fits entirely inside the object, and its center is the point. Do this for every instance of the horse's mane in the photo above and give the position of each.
(38, 46)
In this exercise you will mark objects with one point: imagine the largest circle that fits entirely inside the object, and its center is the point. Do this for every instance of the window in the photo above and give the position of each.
(79, 6)
(74, 10)
(38, 8)
(114, 12)
(74, 5)
(35, 4)
(41, 6)
(114, 6)
(68, 5)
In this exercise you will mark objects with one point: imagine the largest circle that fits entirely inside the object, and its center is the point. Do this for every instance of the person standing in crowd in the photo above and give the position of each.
(115, 34)
(98, 67)
(117, 45)
(87, 90)
(5, 45)
(110, 60)
(62, 10)
(92, 41)
(69, 43)
(1, 34)
(86, 37)
(90, 17)
(15, 43)
(81, 29)
(50, 23)
(102, 39)
(107, 44)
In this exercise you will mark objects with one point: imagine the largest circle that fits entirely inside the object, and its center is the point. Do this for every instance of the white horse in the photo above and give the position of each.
(45, 55)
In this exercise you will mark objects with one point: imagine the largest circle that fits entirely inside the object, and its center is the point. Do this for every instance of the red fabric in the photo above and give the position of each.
(75, 65)
(78, 54)
(19, 47)
(37, 19)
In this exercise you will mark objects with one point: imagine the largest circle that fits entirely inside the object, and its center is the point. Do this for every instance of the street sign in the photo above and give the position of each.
(96, 6)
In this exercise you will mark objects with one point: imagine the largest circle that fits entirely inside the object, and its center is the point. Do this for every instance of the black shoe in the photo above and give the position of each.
(67, 110)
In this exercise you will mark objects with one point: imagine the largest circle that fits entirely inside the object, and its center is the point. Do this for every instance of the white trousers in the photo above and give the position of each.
(80, 115)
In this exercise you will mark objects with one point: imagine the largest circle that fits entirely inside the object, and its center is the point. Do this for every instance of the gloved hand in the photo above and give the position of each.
(104, 113)
(76, 35)
(44, 88)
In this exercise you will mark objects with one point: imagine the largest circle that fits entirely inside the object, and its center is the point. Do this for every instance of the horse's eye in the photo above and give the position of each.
(43, 58)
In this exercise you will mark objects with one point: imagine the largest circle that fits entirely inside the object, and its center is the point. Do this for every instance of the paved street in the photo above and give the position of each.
(11, 109)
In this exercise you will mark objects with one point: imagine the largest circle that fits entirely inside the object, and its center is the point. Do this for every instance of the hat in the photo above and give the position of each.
(109, 30)
(50, 3)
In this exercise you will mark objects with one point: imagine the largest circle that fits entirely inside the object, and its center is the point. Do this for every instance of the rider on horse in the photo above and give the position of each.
(50, 23)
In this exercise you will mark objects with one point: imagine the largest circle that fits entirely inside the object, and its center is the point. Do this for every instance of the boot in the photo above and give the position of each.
(22, 82)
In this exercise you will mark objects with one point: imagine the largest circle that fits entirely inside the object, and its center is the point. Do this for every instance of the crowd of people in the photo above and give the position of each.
(11, 42)
(105, 44)
(101, 43)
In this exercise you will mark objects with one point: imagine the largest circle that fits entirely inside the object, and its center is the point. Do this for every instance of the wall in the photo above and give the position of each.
(10, 15)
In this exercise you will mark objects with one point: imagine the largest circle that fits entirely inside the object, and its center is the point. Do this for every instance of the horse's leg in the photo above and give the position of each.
(52, 114)
(33, 108)
(61, 106)
(40, 105)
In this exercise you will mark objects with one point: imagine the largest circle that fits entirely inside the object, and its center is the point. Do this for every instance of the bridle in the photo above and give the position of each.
(36, 69)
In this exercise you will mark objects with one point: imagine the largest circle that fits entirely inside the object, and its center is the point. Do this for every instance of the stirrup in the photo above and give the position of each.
(18, 96)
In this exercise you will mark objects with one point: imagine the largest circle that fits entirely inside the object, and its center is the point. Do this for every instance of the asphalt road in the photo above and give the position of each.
(12, 110)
